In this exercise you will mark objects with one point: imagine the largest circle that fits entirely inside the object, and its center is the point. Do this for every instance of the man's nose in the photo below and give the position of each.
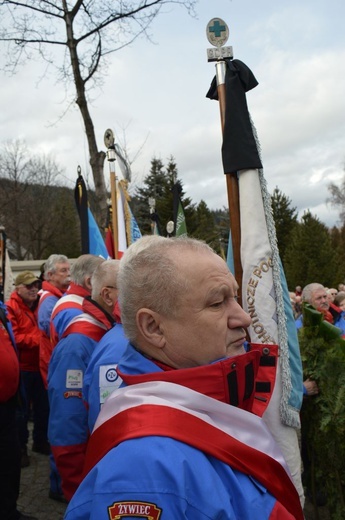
(239, 318)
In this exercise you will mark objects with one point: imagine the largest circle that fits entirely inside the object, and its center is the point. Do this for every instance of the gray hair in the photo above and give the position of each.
(340, 297)
(150, 277)
(84, 267)
(105, 274)
(308, 290)
(52, 261)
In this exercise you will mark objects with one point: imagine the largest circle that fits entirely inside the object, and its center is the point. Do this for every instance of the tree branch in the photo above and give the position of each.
(37, 9)
(24, 41)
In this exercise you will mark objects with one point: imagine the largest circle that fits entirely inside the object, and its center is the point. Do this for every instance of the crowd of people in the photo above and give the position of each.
(127, 369)
(329, 301)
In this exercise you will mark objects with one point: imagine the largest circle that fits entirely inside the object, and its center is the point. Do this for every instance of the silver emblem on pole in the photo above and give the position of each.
(217, 33)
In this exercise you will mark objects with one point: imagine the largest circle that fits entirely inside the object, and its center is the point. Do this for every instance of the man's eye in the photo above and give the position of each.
(217, 304)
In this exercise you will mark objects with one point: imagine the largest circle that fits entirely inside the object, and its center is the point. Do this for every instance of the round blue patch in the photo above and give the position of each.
(111, 375)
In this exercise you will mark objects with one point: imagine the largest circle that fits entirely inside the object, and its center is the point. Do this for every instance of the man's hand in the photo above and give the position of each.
(311, 387)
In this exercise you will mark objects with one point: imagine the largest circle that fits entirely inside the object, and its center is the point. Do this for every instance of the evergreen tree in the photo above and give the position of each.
(158, 184)
(222, 224)
(285, 218)
(309, 255)
(205, 226)
(338, 247)
(153, 187)
(202, 223)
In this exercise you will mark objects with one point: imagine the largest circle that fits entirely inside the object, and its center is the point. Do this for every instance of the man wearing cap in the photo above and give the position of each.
(22, 308)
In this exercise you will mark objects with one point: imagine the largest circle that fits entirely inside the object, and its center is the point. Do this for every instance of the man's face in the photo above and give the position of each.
(28, 293)
(331, 294)
(319, 299)
(61, 277)
(209, 323)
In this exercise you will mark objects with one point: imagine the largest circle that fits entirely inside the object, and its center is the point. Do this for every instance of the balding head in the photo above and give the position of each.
(104, 284)
(83, 269)
(150, 277)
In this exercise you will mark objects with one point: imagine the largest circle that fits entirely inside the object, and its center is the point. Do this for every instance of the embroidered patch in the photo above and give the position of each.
(72, 393)
(74, 379)
(138, 509)
(109, 380)
(108, 375)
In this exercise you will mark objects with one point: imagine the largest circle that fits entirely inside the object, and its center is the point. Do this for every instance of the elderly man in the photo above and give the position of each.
(179, 441)
(22, 308)
(68, 425)
(56, 280)
(57, 277)
(70, 305)
(316, 295)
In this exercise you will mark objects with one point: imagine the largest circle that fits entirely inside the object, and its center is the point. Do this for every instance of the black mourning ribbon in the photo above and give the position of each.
(239, 149)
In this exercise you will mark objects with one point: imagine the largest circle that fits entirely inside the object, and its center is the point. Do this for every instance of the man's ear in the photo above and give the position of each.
(87, 283)
(149, 326)
(108, 296)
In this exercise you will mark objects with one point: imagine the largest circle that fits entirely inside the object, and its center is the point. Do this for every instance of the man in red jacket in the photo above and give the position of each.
(9, 442)
(22, 306)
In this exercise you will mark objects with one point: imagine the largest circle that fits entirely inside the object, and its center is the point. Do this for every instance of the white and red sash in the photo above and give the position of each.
(87, 325)
(234, 436)
(68, 301)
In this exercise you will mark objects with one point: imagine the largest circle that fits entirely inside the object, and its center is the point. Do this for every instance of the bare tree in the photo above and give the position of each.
(88, 31)
(37, 212)
(337, 197)
(14, 167)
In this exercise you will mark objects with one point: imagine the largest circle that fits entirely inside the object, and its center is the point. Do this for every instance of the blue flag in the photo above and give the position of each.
(91, 239)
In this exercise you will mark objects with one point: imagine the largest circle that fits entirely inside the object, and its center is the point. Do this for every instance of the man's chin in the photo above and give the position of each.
(235, 350)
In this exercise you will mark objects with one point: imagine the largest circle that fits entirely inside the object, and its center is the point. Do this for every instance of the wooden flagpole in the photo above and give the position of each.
(109, 142)
(217, 34)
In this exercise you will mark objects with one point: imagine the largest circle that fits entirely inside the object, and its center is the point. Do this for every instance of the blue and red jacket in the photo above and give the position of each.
(149, 457)
(65, 309)
(68, 428)
(49, 295)
(101, 378)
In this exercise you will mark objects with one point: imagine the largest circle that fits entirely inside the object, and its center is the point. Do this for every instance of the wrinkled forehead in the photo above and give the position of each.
(204, 268)
(319, 293)
(62, 267)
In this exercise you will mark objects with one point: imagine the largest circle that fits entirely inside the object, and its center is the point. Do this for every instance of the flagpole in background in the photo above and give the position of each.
(180, 226)
(264, 288)
(217, 34)
(91, 238)
(109, 142)
(2, 263)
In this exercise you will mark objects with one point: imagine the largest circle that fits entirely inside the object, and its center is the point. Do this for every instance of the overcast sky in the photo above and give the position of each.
(154, 95)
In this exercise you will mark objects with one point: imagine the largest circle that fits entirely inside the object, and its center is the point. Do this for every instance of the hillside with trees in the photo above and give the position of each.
(40, 216)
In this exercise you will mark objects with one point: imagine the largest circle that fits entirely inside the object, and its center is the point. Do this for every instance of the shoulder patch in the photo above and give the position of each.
(119, 510)
(109, 380)
(74, 379)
